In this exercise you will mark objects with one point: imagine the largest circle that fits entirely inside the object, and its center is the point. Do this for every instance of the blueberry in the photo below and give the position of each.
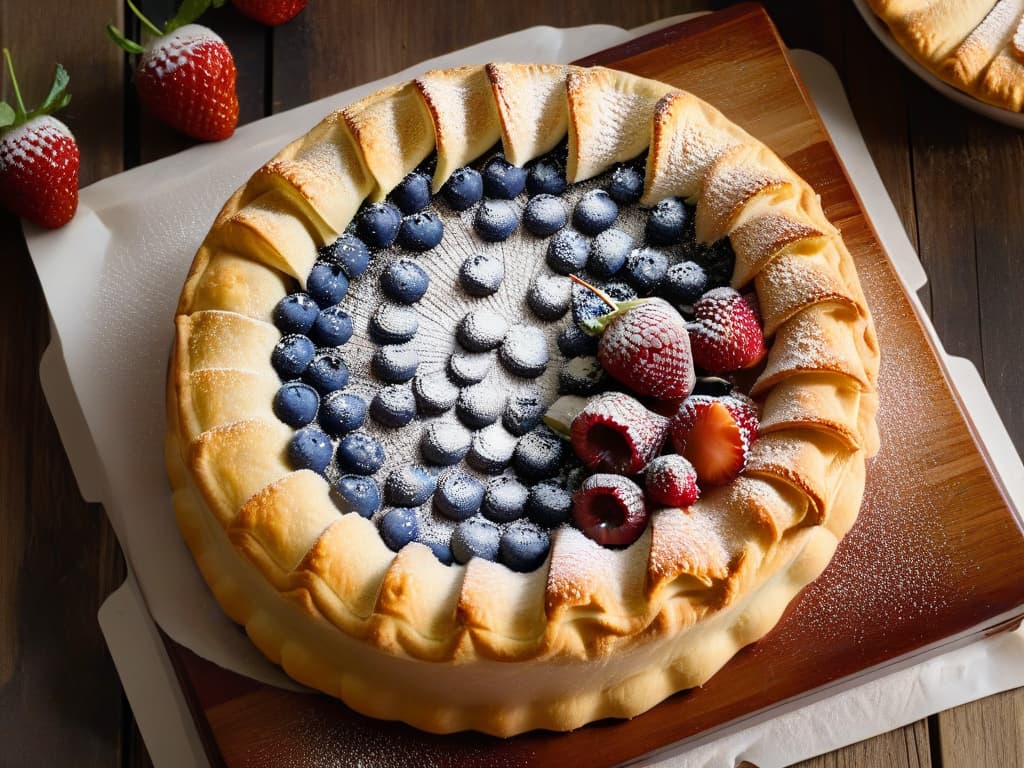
(469, 367)
(475, 537)
(412, 193)
(310, 449)
(523, 412)
(667, 222)
(549, 296)
(481, 330)
(434, 392)
(587, 305)
(481, 274)
(404, 280)
(582, 376)
(333, 327)
(295, 313)
(327, 283)
(608, 252)
(378, 224)
(573, 342)
(327, 373)
(567, 252)
(479, 405)
(296, 404)
(524, 351)
(292, 355)
(421, 231)
(349, 252)
(358, 494)
(458, 495)
(626, 185)
(594, 212)
(399, 526)
(685, 282)
(713, 386)
(342, 412)
(491, 449)
(464, 189)
(538, 454)
(409, 486)
(524, 547)
(396, 363)
(393, 406)
(502, 180)
(505, 499)
(359, 454)
(394, 323)
(549, 504)
(645, 269)
(544, 215)
(495, 220)
(718, 260)
(445, 443)
(546, 177)
(442, 550)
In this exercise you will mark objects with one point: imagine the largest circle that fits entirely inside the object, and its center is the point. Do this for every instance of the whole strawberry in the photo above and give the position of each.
(186, 75)
(39, 158)
(270, 12)
(644, 344)
(726, 332)
(671, 481)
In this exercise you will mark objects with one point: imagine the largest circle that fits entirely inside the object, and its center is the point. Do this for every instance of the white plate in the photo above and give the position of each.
(877, 26)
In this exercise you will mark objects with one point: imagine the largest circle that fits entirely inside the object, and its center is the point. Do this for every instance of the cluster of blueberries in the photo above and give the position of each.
(504, 519)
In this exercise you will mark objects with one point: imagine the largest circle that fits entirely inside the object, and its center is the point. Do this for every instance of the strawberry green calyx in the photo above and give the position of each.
(57, 98)
(595, 326)
(188, 12)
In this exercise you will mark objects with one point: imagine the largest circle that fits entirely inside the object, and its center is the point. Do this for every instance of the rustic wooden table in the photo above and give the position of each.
(954, 177)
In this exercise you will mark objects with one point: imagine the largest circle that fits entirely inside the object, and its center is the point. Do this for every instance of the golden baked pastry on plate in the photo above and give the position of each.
(438, 478)
(976, 46)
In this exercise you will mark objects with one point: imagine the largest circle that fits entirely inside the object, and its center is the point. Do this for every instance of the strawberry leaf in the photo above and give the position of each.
(7, 115)
(189, 11)
(58, 97)
(129, 46)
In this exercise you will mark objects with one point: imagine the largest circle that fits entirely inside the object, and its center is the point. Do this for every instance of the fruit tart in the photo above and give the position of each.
(977, 46)
(517, 397)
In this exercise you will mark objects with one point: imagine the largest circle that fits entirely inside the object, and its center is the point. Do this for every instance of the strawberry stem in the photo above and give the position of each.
(600, 294)
(149, 25)
(22, 112)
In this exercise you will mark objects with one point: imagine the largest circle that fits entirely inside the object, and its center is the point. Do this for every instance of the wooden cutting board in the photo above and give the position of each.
(935, 554)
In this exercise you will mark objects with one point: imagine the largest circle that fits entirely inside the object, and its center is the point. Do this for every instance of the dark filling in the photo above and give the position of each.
(611, 446)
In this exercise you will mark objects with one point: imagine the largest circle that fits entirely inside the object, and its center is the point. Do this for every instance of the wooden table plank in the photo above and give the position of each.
(60, 700)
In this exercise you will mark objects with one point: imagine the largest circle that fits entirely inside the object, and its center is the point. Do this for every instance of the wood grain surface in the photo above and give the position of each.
(954, 177)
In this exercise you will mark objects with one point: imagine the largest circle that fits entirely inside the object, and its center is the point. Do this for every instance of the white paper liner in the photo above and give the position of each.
(112, 277)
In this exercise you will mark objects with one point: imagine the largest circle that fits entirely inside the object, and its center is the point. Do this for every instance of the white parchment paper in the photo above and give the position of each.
(112, 278)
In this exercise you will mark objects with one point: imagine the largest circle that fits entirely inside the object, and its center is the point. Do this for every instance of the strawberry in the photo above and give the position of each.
(715, 434)
(610, 510)
(671, 481)
(615, 433)
(39, 158)
(645, 345)
(270, 12)
(186, 75)
(726, 332)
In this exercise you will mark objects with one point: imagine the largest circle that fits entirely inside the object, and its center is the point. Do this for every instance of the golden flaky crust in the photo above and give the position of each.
(974, 45)
(594, 632)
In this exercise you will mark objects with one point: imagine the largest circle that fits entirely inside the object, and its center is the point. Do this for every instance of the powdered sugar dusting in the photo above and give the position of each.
(163, 55)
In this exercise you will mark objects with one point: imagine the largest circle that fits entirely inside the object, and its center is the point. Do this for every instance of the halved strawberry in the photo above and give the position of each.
(615, 433)
(610, 510)
(671, 481)
(726, 334)
(715, 434)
